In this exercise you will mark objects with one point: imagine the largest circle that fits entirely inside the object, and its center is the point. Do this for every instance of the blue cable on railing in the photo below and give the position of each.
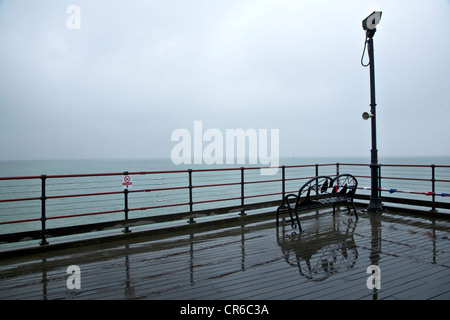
(429, 193)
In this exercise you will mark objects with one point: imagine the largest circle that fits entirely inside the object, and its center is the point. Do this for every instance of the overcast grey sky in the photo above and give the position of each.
(138, 70)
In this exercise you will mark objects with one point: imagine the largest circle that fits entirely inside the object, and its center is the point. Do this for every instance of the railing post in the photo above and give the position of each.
(191, 203)
(242, 193)
(433, 188)
(43, 216)
(283, 180)
(379, 180)
(126, 210)
(337, 169)
(317, 174)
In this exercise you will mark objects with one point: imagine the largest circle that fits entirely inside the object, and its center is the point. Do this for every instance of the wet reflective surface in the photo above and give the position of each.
(318, 255)
(251, 260)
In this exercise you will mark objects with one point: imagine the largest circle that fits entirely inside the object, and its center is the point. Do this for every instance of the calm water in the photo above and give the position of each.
(49, 167)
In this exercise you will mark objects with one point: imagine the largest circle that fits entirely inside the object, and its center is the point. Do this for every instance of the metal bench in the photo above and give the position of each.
(319, 192)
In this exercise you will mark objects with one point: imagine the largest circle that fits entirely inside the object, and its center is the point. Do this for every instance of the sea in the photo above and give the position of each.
(150, 202)
(83, 166)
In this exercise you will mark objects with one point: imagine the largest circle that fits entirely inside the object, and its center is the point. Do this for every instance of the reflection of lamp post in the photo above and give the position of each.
(369, 24)
(375, 248)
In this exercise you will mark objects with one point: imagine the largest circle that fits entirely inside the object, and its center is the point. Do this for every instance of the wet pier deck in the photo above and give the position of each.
(250, 259)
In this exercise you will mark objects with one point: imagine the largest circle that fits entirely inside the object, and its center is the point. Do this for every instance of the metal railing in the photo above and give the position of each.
(40, 207)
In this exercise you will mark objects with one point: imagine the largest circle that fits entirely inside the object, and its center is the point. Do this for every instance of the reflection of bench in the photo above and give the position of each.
(319, 192)
(322, 252)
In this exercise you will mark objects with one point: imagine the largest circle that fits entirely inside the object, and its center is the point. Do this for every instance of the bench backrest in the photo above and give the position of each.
(324, 185)
(316, 186)
(345, 183)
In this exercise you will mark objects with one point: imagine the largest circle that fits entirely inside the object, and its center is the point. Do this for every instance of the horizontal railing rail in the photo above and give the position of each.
(36, 207)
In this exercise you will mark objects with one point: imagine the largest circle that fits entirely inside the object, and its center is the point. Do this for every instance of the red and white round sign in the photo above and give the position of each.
(127, 182)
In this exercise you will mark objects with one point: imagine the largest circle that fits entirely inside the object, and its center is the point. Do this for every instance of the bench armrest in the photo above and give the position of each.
(285, 202)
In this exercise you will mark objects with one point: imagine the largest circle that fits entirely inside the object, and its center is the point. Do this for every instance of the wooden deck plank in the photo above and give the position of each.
(248, 261)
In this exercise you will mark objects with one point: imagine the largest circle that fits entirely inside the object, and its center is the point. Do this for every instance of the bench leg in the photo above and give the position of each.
(298, 221)
(348, 207)
(290, 214)
(354, 210)
(353, 207)
(292, 218)
(278, 215)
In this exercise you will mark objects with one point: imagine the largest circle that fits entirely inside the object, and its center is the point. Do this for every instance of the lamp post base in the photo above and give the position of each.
(375, 205)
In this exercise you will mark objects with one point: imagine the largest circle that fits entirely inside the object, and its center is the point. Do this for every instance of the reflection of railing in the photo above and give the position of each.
(322, 252)
(39, 207)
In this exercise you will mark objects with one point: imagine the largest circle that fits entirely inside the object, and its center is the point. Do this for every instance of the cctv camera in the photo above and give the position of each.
(371, 21)
(366, 115)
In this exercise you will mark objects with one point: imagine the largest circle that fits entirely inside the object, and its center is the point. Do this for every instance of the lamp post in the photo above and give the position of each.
(369, 25)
